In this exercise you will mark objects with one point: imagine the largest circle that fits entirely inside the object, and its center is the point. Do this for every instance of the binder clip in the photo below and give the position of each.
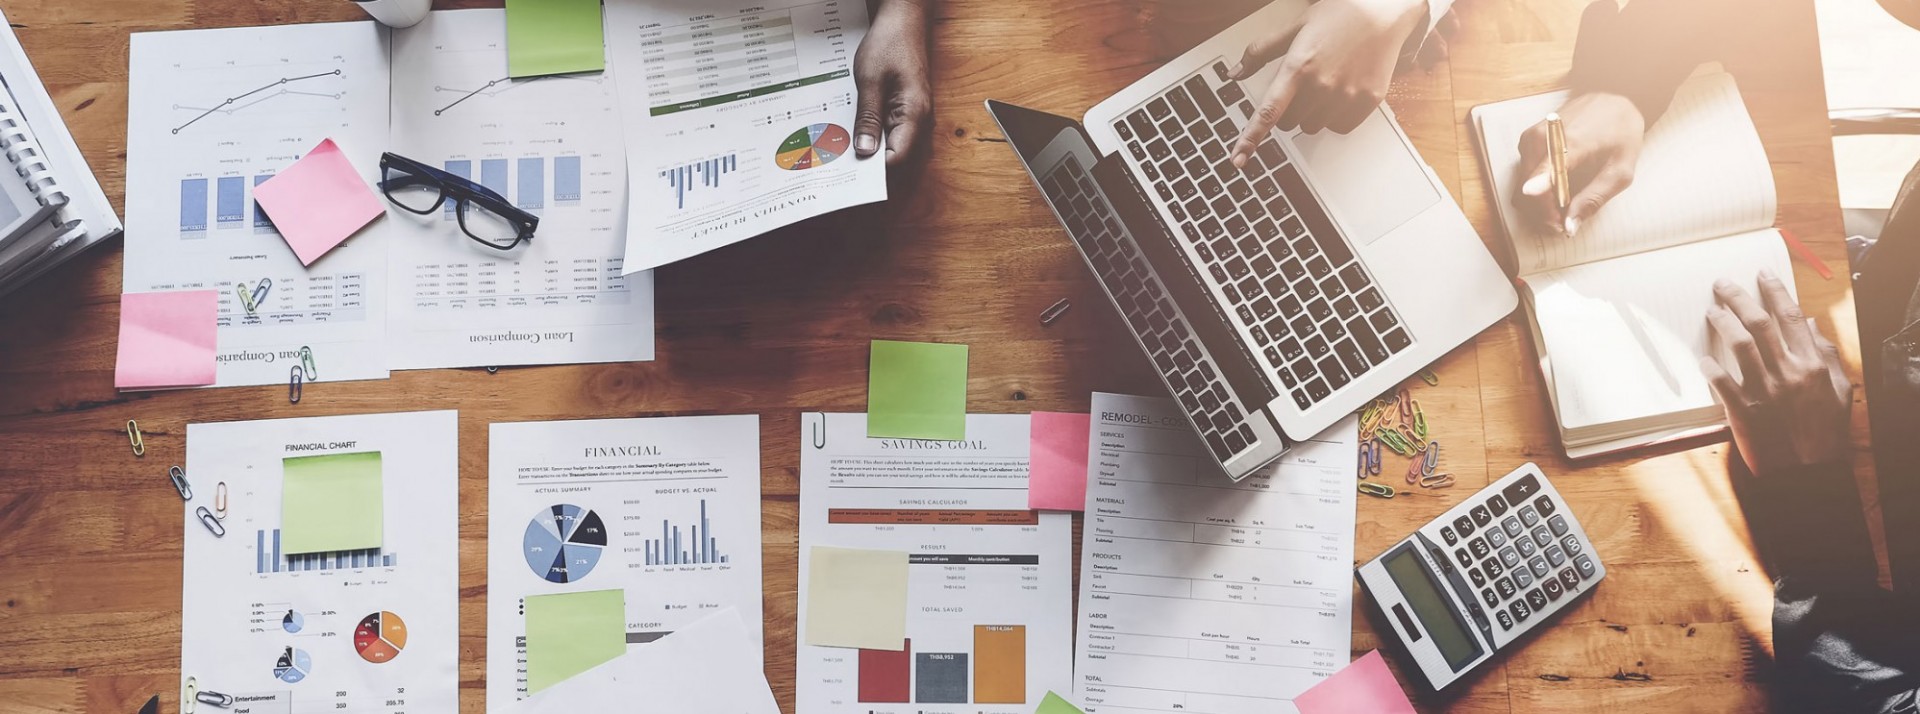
(1377, 490)
(306, 363)
(212, 524)
(133, 437)
(260, 291)
(1052, 314)
(246, 297)
(220, 501)
(180, 484)
(293, 384)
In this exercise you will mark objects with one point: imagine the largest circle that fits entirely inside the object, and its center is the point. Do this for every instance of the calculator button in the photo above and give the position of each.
(1545, 505)
(1481, 516)
(1558, 524)
(1521, 489)
(1509, 558)
(1506, 620)
(1496, 538)
(1539, 566)
(1520, 610)
(1529, 517)
(1522, 578)
(1478, 579)
(1541, 537)
(1526, 546)
(1569, 578)
(1487, 595)
(1505, 587)
(1464, 525)
(1461, 553)
(1479, 548)
(1572, 545)
(1446, 533)
(1497, 504)
(1512, 525)
(1553, 589)
(1493, 568)
(1555, 556)
(1536, 599)
(1584, 564)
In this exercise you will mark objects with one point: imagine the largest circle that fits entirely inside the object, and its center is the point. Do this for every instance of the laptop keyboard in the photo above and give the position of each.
(1264, 240)
(1170, 342)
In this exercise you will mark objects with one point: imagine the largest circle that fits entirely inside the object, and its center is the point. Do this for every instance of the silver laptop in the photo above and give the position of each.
(1276, 299)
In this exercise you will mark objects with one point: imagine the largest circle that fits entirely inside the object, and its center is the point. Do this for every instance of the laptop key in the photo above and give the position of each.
(1231, 92)
(1203, 96)
(1317, 347)
(1292, 270)
(1266, 229)
(1319, 267)
(1290, 348)
(1212, 150)
(1345, 308)
(1159, 109)
(1262, 265)
(1319, 310)
(1237, 227)
(1292, 227)
(1226, 131)
(1307, 290)
(1264, 309)
(1235, 443)
(1370, 299)
(1182, 105)
(1219, 446)
(1270, 152)
(1334, 330)
(1166, 194)
(1397, 340)
(1140, 123)
(1350, 356)
(1249, 244)
(1169, 126)
(1157, 149)
(1211, 229)
(1220, 70)
(1238, 268)
(1121, 128)
(1383, 321)
(1266, 188)
(1317, 390)
(1354, 277)
(1250, 287)
(1300, 398)
(1335, 374)
(1239, 190)
(1370, 346)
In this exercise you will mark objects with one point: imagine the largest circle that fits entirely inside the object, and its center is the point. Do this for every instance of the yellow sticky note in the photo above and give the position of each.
(857, 598)
(1055, 704)
(570, 633)
(331, 502)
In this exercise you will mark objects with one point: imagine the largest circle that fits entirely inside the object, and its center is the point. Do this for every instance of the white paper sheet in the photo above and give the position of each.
(362, 631)
(739, 119)
(1200, 594)
(709, 667)
(692, 483)
(990, 584)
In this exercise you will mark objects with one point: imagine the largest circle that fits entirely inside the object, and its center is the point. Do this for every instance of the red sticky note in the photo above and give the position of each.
(318, 202)
(166, 339)
(1058, 462)
(1364, 686)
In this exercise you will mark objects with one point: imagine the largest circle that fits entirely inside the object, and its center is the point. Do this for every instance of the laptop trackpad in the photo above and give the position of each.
(1370, 179)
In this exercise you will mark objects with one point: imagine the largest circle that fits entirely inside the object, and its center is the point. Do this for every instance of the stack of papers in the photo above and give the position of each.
(711, 667)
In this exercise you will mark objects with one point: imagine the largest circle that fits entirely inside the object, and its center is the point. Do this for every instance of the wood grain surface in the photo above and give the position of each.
(90, 537)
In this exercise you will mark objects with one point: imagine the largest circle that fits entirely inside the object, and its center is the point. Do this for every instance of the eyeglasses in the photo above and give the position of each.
(486, 217)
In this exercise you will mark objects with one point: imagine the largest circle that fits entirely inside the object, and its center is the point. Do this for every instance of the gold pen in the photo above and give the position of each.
(1557, 153)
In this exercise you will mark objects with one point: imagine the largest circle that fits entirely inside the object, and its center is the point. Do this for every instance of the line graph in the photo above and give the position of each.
(228, 106)
(489, 90)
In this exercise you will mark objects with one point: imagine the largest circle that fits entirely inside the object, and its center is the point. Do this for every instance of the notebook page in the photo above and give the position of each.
(1702, 173)
(1625, 335)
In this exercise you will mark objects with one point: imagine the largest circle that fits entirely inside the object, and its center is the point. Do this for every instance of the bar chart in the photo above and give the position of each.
(995, 672)
(523, 180)
(697, 545)
(708, 171)
(269, 559)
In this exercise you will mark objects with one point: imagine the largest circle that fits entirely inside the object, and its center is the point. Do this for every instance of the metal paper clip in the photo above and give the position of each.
(1373, 488)
(180, 484)
(1053, 312)
(293, 384)
(212, 524)
(493, 370)
(1427, 375)
(246, 297)
(260, 292)
(820, 432)
(215, 698)
(306, 363)
(220, 501)
(133, 437)
(1432, 462)
(1419, 420)
(1437, 481)
(189, 695)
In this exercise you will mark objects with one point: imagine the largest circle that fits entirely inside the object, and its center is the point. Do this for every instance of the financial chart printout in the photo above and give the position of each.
(739, 119)
(665, 508)
(989, 584)
(1200, 594)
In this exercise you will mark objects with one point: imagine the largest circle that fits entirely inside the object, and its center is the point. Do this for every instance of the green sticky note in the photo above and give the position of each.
(331, 502)
(554, 37)
(917, 390)
(1055, 704)
(570, 633)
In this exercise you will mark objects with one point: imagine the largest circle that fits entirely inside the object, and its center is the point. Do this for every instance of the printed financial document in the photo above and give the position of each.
(739, 119)
(990, 583)
(1199, 594)
(666, 508)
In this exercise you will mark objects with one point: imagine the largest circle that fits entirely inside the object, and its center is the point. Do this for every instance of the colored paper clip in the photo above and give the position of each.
(1427, 375)
(1415, 468)
(220, 501)
(260, 292)
(1373, 464)
(1394, 441)
(133, 437)
(1373, 488)
(1406, 432)
(293, 384)
(212, 524)
(306, 363)
(179, 477)
(1437, 481)
(1419, 420)
(1406, 404)
(246, 297)
(1053, 312)
(1432, 462)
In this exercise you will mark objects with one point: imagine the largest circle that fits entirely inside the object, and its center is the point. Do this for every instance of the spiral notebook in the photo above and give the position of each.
(52, 207)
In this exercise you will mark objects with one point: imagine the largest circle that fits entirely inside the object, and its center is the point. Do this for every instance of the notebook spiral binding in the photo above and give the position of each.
(30, 162)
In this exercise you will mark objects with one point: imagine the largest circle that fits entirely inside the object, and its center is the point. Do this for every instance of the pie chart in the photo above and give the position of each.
(293, 622)
(812, 147)
(380, 637)
(563, 543)
(293, 666)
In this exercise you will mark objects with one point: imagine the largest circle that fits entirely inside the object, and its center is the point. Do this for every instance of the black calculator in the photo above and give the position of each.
(1483, 575)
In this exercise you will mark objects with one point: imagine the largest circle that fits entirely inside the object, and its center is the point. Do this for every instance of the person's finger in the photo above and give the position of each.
(1759, 324)
(1732, 395)
(1740, 342)
(1609, 182)
(1836, 371)
(1266, 114)
(1351, 117)
(868, 117)
(908, 126)
(1794, 329)
(1262, 50)
(1310, 109)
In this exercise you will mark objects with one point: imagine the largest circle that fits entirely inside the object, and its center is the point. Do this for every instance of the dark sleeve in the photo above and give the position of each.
(1841, 643)
(1645, 50)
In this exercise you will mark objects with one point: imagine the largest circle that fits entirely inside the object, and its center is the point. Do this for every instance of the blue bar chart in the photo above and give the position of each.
(493, 175)
(523, 181)
(709, 171)
(533, 184)
(269, 559)
(696, 545)
(232, 205)
(261, 223)
(193, 205)
(566, 180)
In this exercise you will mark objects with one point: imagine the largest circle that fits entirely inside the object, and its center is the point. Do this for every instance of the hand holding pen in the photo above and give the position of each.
(1592, 160)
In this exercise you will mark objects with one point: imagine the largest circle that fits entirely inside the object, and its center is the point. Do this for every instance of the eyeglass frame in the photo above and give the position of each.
(463, 191)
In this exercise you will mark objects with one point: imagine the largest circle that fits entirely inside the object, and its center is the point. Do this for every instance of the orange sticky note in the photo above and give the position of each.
(1058, 462)
(1364, 686)
(166, 339)
(318, 202)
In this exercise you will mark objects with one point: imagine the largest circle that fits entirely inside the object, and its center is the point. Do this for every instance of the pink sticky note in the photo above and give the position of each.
(1364, 686)
(318, 202)
(166, 339)
(1058, 462)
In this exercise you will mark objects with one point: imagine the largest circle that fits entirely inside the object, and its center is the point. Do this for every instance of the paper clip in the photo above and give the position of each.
(1394, 441)
(260, 292)
(1405, 432)
(180, 484)
(1427, 375)
(133, 437)
(820, 433)
(1406, 404)
(1415, 468)
(1380, 490)
(1437, 481)
(189, 695)
(1053, 313)
(1432, 462)
(1373, 463)
(212, 524)
(215, 698)
(1419, 420)
(220, 501)
(246, 297)
(493, 370)
(293, 385)
(306, 363)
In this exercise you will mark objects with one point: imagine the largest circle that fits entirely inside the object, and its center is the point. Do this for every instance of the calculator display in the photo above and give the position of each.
(1436, 614)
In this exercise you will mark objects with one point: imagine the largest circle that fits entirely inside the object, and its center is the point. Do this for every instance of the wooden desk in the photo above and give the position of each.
(90, 566)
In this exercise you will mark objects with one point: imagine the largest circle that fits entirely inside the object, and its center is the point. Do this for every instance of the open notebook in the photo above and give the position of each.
(1618, 312)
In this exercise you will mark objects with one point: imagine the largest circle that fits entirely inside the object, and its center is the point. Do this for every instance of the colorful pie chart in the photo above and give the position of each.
(380, 637)
(563, 543)
(812, 147)
(293, 666)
